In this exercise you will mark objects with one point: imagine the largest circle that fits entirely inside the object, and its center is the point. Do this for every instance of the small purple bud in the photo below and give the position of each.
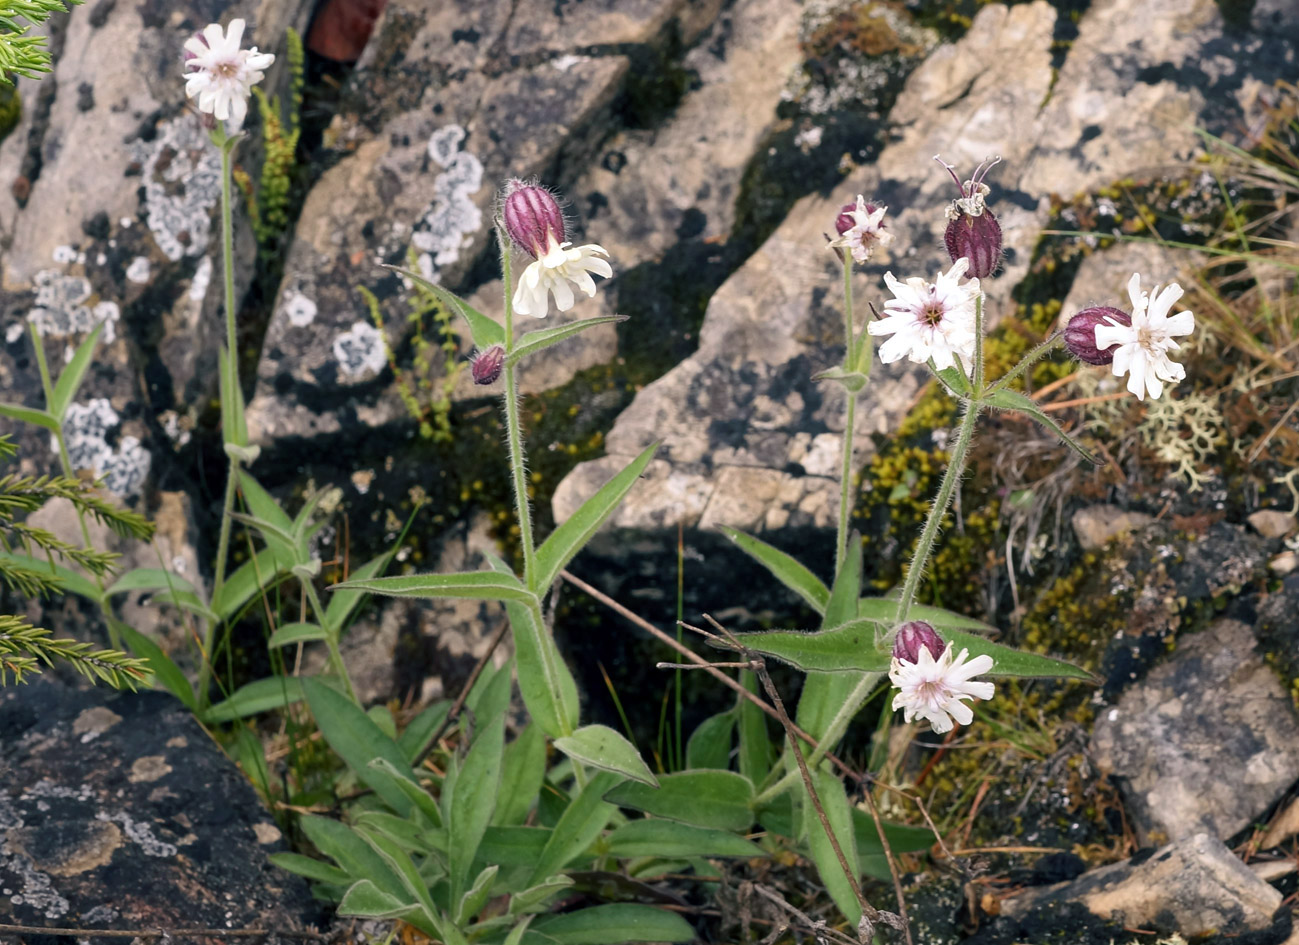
(485, 366)
(1080, 333)
(844, 221)
(977, 239)
(912, 636)
(532, 216)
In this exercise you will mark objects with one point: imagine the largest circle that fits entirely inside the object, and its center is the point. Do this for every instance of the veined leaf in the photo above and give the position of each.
(955, 380)
(522, 771)
(478, 585)
(473, 798)
(485, 331)
(320, 871)
(354, 856)
(513, 846)
(260, 695)
(580, 824)
(569, 538)
(709, 746)
(365, 899)
(613, 924)
(535, 341)
(721, 799)
(784, 568)
(602, 747)
(1006, 399)
(65, 391)
(656, 837)
(838, 812)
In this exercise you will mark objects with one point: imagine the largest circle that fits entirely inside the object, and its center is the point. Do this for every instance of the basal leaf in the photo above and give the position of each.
(784, 568)
(603, 748)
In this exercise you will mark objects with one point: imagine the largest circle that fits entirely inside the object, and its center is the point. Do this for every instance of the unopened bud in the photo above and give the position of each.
(486, 365)
(1080, 333)
(914, 635)
(532, 217)
(973, 232)
(845, 220)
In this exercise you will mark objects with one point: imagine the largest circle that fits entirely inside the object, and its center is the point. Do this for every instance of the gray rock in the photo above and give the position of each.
(117, 811)
(1193, 887)
(1205, 743)
(1097, 524)
(1273, 523)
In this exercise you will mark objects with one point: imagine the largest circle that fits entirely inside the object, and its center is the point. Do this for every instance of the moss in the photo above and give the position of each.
(11, 109)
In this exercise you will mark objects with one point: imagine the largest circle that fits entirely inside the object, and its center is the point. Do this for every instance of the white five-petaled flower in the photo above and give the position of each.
(930, 319)
(861, 229)
(1143, 347)
(220, 74)
(551, 273)
(933, 689)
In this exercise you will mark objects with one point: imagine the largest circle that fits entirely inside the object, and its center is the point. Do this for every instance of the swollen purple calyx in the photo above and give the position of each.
(532, 217)
(973, 232)
(1080, 333)
(914, 635)
(486, 365)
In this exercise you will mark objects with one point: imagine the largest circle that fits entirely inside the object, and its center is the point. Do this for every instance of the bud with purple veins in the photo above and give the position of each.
(532, 217)
(973, 232)
(1080, 333)
(914, 635)
(485, 366)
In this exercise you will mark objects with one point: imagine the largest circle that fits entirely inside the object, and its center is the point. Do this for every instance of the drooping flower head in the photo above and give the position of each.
(1141, 346)
(220, 75)
(534, 222)
(860, 227)
(1080, 333)
(485, 366)
(930, 319)
(973, 232)
(933, 687)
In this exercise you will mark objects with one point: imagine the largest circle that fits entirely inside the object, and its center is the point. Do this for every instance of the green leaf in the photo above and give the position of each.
(365, 899)
(472, 798)
(710, 743)
(343, 602)
(655, 837)
(485, 331)
(162, 666)
(260, 695)
(148, 579)
(513, 846)
(614, 923)
(40, 418)
(839, 813)
(357, 740)
(885, 610)
(955, 380)
(312, 869)
(186, 600)
(522, 772)
(234, 427)
(419, 797)
(415, 735)
(824, 696)
(250, 755)
(292, 633)
(535, 341)
(534, 898)
(401, 864)
(569, 538)
(275, 537)
(721, 799)
(603, 748)
(257, 573)
(473, 901)
(69, 580)
(756, 754)
(902, 839)
(65, 391)
(477, 585)
(354, 856)
(783, 568)
(262, 505)
(1006, 399)
(581, 823)
(851, 381)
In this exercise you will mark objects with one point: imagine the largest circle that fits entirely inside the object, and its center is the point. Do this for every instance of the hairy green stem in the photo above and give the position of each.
(523, 509)
(1028, 361)
(331, 638)
(849, 422)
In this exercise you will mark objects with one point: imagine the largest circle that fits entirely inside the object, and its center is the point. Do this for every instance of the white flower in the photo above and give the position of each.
(1142, 352)
(930, 319)
(552, 272)
(220, 74)
(933, 689)
(866, 230)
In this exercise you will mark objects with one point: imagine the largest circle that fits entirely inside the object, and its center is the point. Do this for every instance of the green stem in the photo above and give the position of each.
(65, 462)
(514, 435)
(850, 420)
(331, 638)
(978, 345)
(1028, 361)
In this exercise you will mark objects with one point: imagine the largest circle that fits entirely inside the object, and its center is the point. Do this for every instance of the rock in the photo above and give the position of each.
(1097, 524)
(1284, 826)
(1273, 523)
(1205, 744)
(1193, 887)
(118, 811)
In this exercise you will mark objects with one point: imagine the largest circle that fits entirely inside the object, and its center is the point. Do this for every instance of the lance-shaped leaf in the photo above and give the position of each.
(602, 747)
(613, 924)
(28, 415)
(580, 824)
(834, 801)
(854, 646)
(260, 695)
(73, 372)
(292, 633)
(721, 799)
(851, 381)
(534, 341)
(655, 837)
(477, 585)
(783, 568)
(885, 610)
(160, 664)
(824, 696)
(148, 579)
(567, 540)
(343, 602)
(1006, 399)
(485, 331)
(233, 425)
(954, 379)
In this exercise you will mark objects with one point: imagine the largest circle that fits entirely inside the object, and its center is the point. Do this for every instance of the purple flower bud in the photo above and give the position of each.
(845, 221)
(485, 366)
(973, 232)
(532, 216)
(912, 636)
(1080, 333)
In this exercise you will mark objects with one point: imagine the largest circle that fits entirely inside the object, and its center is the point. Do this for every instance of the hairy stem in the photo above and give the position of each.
(1028, 361)
(850, 420)
(331, 639)
(523, 509)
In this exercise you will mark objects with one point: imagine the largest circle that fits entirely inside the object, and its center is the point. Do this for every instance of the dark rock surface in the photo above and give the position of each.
(118, 812)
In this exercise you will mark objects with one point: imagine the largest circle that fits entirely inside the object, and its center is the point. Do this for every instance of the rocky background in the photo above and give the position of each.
(708, 146)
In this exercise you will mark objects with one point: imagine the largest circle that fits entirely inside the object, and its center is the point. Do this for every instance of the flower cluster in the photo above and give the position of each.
(220, 75)
(860, 227)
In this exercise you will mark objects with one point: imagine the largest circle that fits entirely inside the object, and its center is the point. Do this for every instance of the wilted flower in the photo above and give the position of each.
(930, 319)
(485, 366)
(860, 227)
(913, 635)
(933, 688)
(220, 74)
(1080, 333)
(1141, 347)
(973, 232)
(534, 222)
